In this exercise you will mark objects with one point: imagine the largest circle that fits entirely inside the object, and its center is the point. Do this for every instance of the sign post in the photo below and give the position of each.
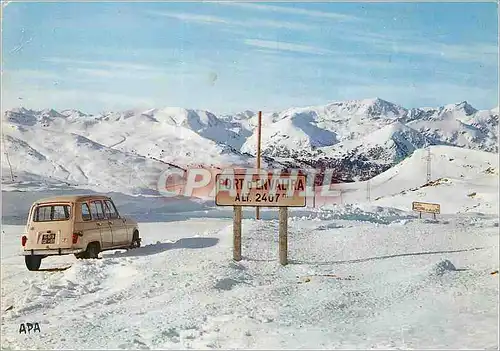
(283, 235)
(237, 233)
(426, 208)
(261, 189)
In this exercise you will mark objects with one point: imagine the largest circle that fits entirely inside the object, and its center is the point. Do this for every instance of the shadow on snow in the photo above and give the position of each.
(153, 249)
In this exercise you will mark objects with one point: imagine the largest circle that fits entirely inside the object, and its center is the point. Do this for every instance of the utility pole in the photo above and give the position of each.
(259, 138)
(368, 190)
(7, 158)
(429, 165)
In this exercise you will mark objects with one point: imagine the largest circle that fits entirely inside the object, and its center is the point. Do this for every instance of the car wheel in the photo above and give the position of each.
(92, 251)
(33, 262)
(136, 240)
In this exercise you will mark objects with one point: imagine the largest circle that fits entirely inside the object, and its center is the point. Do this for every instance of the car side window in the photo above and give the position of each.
(110, 209)
(96, 209)
(86, 212)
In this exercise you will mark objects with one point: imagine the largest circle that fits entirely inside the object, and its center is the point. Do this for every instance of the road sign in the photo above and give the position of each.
(249, 190)
(426, 207)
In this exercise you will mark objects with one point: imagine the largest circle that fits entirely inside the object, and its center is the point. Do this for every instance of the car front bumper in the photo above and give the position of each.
(50, 252)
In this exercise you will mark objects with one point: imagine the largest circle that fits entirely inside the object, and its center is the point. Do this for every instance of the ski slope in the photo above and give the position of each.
(462, 180)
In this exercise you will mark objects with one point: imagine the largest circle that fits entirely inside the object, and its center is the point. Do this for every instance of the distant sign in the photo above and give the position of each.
(426, 207)
(263, 189)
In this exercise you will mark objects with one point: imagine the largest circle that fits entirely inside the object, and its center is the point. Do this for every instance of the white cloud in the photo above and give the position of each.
(109, 64)
(86, 70)
(84, 74)
(276, 24)
(247, 22)
(76, 98)
(475, 52)
(191, 17)
(412, 43)
(32, 74)
(294, 11)
(284, 46)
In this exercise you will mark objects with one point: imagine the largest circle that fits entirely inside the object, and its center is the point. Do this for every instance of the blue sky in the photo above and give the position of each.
(229, 57)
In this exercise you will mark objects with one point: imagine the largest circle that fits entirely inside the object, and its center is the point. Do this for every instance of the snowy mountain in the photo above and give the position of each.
(306, 129)
(363, 138)
(460, 125)
(463, 180)
(371, 154)
(125, 151)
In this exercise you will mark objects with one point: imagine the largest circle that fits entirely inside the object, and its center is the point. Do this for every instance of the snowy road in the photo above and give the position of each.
(394, 287)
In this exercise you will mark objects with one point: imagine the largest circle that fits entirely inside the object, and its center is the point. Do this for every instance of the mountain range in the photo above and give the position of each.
(127, 150)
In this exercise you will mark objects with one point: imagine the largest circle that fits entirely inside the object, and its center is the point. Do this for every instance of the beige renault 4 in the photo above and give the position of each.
(83, 225)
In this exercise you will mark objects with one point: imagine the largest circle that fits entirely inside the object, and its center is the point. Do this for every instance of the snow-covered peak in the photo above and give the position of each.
(195, 119)
(240, 116)
(463, 106)
(374, 107)
(390, 131)
(50, 113)
(385, 146)
(71, 113)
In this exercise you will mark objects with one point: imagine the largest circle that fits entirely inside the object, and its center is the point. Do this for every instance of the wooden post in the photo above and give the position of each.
(283, 235)
(259, 138)
(237, 233)
(314, 196)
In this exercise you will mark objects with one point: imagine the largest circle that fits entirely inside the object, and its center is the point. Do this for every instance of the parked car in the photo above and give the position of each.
(83, 225)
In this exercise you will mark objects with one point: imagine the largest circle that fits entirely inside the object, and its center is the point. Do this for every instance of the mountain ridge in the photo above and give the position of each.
(357, 138)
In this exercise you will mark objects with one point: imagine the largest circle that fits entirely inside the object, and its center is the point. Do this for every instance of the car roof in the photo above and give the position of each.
(73, 198)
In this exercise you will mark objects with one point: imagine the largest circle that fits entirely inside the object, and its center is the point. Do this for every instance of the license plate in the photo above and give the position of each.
(48, 238)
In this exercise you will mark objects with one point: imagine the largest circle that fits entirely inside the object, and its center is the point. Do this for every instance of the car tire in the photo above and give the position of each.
(33, 262)
(136, 240)
(81, 255)
(92, 251)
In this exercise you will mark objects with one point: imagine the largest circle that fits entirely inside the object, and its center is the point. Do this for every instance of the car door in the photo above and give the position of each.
(120, 235)
(98, 216)
(89, 224)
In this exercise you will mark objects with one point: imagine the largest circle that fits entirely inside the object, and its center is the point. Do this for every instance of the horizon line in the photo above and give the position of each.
(246, 110)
